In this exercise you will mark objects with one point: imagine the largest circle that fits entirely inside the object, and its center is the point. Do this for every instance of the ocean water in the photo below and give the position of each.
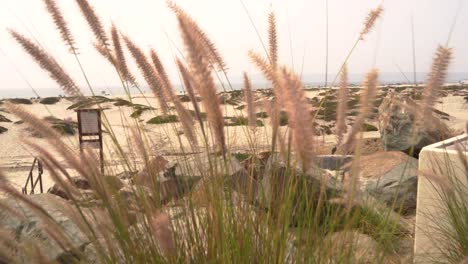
(258, 82)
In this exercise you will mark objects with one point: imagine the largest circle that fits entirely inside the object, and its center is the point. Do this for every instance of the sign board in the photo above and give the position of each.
(89, 122)
(90, 131)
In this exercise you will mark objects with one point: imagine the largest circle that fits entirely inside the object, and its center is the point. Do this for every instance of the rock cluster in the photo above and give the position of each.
(400, 128)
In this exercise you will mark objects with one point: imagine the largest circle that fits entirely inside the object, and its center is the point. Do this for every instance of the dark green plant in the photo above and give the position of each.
(50, 100)
(163, 119)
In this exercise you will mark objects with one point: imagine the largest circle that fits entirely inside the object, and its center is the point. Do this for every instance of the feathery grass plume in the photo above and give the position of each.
(60, 22)
(264, 66)
(270, 74)
(207, 46)
(436, 79)
(104, 53)
(249, 101)
(93, 22)
(148, 73)
(273, 40)
(184, 116)
(366, 103)
(159, 67)
(370, 21)
(49, 64)
(120, 60)
(202, 76)
(300, 119)
(342, 107)
(191, 93)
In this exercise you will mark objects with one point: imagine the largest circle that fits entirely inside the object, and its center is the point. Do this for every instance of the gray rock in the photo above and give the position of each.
(28, 229)
(332, 162)
(57, 190)
(80, 183)
(391, 178)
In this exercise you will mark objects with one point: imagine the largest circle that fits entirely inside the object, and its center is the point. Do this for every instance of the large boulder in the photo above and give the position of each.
(397, 121)
(28, 229)
(262, 178)
(391, 178)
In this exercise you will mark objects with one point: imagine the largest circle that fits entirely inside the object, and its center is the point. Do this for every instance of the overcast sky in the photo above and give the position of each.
(301, 28)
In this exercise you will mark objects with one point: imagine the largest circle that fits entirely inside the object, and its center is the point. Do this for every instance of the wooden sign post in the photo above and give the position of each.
(90, 131)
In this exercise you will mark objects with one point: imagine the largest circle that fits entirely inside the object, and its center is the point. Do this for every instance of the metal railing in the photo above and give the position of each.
(30, 180)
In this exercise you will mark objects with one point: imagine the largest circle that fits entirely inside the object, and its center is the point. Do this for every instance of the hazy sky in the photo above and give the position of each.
(301, 28)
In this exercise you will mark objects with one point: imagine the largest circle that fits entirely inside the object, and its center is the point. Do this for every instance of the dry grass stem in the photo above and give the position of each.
(249, 101)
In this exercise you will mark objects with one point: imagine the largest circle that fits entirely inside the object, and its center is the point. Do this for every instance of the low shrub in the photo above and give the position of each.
(163, 119)
(20, 101)
(4, 119)
(50, 100)
(368, 127)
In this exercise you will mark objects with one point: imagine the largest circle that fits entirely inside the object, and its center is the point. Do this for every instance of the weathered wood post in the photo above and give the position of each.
(90, 131)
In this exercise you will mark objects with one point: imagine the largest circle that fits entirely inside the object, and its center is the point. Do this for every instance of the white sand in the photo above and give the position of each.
(16, 158)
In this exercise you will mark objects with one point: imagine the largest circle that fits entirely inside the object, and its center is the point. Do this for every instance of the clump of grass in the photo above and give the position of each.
(3, 129)
(20, 101)
(50, 100)
(86, 102)
(241, 156)
(163, 119)
(64, 127)
(122, 102)
(368, 127)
